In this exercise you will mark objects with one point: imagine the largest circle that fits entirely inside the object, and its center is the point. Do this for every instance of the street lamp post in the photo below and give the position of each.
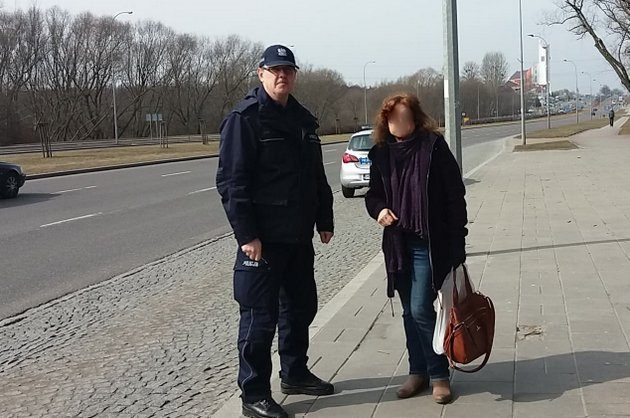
(590, 91)
(114, 84)
(522, 86)
(547, 73)
(577, 91)
(365, 90)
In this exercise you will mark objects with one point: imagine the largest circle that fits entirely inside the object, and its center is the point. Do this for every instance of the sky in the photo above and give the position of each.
(401, 36)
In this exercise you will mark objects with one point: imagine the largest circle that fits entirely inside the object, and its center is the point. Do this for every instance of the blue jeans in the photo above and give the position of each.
(417, 296)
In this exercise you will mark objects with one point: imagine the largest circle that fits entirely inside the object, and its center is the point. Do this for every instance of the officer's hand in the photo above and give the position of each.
(253, 250)
(326, 236)
(386, 217)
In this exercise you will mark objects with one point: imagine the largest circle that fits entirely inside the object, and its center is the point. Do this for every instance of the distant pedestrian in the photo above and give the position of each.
(611, 116)
(274, 190)
(417, 194)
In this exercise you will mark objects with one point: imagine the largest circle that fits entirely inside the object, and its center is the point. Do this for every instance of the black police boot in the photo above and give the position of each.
(264, 408)
(307, 385)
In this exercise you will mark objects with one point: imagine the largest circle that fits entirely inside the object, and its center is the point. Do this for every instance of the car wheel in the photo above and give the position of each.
(347, 192)
(10, 186)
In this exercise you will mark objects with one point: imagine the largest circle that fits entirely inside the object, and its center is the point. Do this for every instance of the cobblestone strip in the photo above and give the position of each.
(158, 341)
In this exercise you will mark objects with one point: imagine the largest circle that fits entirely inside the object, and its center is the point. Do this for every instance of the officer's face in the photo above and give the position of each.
(278, 81)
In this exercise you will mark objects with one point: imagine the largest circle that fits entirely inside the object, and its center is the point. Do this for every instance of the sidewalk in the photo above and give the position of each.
(550, 243)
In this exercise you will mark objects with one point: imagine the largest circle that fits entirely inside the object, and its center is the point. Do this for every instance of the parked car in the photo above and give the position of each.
(11, 179)
(355, 167)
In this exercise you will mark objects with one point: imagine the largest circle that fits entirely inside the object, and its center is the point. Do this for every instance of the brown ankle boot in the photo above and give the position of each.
(442, 392)
(412, 386)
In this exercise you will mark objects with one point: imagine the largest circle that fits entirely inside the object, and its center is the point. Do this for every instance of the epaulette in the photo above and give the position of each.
(245, 104)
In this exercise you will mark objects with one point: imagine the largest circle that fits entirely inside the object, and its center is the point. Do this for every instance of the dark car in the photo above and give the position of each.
(11, 179)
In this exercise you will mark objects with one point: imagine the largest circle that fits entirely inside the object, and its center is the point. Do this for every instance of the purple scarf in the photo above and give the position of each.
(409, 162)
(408, 184)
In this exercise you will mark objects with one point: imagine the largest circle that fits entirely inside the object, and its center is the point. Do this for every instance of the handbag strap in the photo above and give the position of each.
(476, 369)
(467, 284)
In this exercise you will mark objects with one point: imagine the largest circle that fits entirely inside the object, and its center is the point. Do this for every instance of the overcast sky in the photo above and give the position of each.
(401, 36)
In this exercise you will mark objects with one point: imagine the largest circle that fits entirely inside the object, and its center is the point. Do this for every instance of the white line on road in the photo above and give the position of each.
(202, 190)
(331, 150)
(175, 174)
(74, 190)
(332, 162)
(72, 219)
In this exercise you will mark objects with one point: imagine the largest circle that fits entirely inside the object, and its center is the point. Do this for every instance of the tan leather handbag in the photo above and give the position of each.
(470, 331)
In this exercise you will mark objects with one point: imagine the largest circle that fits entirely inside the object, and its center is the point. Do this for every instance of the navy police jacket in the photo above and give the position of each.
(271, 175)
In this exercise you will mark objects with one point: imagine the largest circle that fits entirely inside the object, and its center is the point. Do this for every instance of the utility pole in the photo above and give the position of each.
(114, 84)
(365, 90)
(452, 113)
(520, 19)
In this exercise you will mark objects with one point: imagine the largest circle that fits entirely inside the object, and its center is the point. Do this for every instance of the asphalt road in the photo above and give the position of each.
(65, 233)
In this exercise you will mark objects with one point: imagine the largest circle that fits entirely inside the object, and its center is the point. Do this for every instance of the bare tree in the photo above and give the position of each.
(607, 22)
(494, 71)
(236, 59)
(144, 69)
(471, 71)
(320, 90)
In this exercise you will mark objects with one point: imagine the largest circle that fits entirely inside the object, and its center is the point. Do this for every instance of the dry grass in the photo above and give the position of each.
(625, 129)
(569, 130)
(34, 163)
(546, 146)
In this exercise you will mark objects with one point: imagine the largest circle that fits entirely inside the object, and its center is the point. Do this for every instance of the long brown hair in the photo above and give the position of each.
(423, 122)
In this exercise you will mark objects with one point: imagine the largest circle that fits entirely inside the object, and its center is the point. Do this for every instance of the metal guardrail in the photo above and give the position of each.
(95, 144)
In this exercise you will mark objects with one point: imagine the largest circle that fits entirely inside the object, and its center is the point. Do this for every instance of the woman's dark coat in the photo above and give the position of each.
(446, 206)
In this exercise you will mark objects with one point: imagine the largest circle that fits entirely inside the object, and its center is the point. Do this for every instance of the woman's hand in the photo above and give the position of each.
(386, 217)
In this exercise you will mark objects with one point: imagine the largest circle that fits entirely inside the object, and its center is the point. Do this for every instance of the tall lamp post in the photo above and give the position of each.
(114, 83)
(547, 84)
(577, 91)
(590, 90)
(365, 90)
(520, 24)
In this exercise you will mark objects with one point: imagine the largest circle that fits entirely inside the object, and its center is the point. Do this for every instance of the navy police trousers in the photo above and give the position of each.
(277, 291)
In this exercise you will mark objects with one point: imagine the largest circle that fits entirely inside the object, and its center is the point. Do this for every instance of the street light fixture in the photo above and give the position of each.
(577, 90)
(365, 90)
(547, 72)
(114, 83)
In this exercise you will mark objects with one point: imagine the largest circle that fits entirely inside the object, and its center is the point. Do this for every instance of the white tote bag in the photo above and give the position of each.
(443, 304)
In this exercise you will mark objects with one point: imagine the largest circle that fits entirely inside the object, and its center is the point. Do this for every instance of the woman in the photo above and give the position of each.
(417, 194)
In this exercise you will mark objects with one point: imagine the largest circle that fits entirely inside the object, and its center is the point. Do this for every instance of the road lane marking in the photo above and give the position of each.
(331, 150)
(175, 174)
(332, 162)
(202, 190)
(69, 190)
(72, 219)
(74, 190)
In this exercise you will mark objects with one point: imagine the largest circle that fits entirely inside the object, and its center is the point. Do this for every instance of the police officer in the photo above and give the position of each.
(274, 191)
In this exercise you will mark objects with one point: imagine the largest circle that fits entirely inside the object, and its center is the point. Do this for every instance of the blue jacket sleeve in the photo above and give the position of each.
(237, 153)
(325, 219)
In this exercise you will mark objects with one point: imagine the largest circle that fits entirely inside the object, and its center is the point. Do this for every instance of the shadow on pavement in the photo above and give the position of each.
(23, 199)
(547, 247)
(531, 384)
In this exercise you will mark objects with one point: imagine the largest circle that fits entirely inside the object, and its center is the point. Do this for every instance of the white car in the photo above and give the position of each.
(355, 166)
